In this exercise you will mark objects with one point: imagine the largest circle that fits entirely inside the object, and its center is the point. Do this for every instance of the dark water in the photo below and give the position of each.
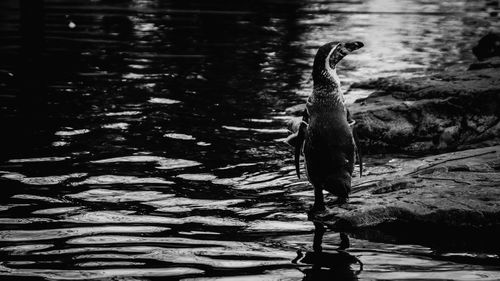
(143, 139)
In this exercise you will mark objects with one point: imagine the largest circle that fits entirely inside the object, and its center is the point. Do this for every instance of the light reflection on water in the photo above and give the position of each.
(161, 152)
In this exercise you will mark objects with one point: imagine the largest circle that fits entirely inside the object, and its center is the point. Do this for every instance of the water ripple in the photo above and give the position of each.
(163, 163)
(48, 234)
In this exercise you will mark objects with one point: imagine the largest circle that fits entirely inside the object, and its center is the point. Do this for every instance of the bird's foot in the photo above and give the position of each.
(344, 241)
(340, 201)
(315, 210)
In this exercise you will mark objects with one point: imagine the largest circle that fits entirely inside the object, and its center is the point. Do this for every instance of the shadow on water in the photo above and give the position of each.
(144, 137)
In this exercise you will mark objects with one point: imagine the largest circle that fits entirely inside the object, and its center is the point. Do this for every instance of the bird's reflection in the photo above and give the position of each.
(332, 265)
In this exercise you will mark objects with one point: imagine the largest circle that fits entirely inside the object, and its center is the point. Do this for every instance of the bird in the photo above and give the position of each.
(324, 135)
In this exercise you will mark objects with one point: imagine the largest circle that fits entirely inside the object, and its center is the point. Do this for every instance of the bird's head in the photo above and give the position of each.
(330, 54)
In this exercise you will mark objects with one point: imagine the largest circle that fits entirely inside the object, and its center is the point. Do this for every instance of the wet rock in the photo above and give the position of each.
(296, 110)
(444, 112)
(455, 193)
(493, 62)
(488, 46)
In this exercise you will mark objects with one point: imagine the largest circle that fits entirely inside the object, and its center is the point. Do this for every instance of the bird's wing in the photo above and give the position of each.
(352, 122)
(301, 135)
(297, 140)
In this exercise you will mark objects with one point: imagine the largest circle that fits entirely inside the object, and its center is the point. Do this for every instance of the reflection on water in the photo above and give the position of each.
(143, 139)
(331, 265)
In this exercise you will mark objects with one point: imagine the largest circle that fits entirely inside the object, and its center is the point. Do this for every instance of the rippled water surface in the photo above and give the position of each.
(144, 139)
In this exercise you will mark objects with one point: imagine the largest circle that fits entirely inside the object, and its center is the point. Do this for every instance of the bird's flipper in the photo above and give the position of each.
(352, 124)
(298, 147)
(299, 140)
(358, 151)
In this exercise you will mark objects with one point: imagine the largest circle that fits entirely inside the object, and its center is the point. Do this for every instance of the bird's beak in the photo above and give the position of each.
(342, 50)
(353, 46)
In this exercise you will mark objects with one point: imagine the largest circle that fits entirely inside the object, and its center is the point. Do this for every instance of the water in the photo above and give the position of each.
(145, 140)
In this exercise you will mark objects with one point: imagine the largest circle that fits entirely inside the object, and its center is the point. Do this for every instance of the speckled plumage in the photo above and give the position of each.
(329, 146)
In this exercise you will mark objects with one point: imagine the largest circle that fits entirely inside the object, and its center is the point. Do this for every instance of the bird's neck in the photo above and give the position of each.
(327, 86)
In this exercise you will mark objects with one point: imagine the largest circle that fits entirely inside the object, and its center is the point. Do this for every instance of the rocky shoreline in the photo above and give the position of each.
(445, 112)
(455, 192)
(448, 111)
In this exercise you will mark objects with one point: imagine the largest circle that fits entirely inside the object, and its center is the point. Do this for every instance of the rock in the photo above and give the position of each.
(493, 62)
(444, 112)
(449, 195)
(293, 124)
(488, 46)
(296, 110)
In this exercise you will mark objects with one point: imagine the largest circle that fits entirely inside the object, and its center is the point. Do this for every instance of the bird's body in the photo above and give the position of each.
(329, 148)
(327, 140)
